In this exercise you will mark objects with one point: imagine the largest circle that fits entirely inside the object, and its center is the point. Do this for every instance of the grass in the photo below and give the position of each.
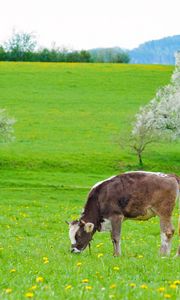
(68, 119)
(34, 243)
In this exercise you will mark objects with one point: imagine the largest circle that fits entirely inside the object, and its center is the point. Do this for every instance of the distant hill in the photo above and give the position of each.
(152, 52)
(156, 51)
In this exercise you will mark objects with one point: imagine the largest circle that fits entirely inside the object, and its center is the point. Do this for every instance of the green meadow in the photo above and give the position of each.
(70, 123)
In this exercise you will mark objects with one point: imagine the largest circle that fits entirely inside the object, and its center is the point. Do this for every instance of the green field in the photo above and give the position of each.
(69, 119)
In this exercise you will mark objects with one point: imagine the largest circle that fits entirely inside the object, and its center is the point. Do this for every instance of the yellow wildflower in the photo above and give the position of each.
(140, 256)
(8, 291)
(99, 245)
(177, 282)
(34, 287)
(113, 286)
(161, 289)
(46, 260)
(100, 255)
(79, 264)
(88, 287)
(116, 268)
(133, 285)
(68, 287)
(12, 271)
(173, 286)
(29, 295)
(39, 279)
(144, 286)
(85, 280)
(167, 296)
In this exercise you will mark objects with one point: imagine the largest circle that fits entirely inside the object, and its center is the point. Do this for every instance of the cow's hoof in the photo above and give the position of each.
(116, 254)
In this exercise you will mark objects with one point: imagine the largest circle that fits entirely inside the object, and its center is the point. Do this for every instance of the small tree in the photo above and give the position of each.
(19, 44)
(160, 119)
(2, 54)
(6, 127)
(21, 41)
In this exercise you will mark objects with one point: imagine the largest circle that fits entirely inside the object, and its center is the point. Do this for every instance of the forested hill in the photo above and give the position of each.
(152, 52)
(156, 51)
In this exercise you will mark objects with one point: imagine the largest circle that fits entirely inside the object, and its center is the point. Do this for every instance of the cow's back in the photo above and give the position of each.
(138, 194)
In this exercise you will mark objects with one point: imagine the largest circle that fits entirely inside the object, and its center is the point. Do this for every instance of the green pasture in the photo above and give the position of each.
(70, 121)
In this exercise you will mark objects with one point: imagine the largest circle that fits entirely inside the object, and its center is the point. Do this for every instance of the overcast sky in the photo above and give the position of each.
(85, 24)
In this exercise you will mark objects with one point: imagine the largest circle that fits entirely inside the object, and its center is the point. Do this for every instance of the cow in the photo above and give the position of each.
(134, 195)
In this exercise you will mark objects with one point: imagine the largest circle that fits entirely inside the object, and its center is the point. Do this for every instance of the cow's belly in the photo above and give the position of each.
(149, 214)
(107, 226)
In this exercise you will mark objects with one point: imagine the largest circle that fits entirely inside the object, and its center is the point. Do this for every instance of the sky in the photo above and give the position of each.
(86, 24)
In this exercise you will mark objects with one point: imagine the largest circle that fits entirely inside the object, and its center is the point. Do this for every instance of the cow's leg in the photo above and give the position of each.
(167, 232)
(116, 221)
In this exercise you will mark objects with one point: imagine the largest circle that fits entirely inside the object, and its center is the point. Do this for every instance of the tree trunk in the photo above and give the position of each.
(140, 159)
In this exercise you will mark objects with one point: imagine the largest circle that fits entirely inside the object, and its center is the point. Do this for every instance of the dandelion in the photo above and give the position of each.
(133, 285)
(99, 245)
(161, 289)
(173, 286)
(12, 271)
(29, 295)
(116, 268)
(34, 287)
(100, 255)
(177, 282)
(45, 260)
(88, 287)
(79, 264)
(39, 279)
(85, 280)
(113, 286)
(144, 286)
(8, 291)
(167, 296)
(68, 287)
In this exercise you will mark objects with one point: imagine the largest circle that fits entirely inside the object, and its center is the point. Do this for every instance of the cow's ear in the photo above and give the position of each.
(88, 227)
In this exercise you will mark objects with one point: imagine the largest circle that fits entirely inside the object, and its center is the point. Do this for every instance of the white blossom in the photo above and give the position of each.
(6, 127)
(160, 118)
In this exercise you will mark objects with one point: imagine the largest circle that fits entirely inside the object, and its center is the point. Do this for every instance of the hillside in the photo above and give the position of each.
(70, 115)
(157, 51)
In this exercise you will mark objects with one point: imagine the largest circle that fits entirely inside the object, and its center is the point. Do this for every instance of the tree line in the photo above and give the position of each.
(23, 47)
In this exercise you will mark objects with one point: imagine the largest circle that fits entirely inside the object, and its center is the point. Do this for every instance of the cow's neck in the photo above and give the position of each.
(91, 212)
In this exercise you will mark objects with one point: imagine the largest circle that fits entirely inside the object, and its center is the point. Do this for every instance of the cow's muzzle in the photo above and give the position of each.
(75, 250)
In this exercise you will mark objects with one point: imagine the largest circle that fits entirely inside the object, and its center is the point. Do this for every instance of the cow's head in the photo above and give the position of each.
(80, 234)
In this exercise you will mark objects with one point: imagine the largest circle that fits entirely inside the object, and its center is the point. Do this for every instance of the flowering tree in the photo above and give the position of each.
(160, 119)
(6, 127)
(21, 42)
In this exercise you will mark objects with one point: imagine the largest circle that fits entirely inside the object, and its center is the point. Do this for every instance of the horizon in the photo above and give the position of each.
(110, 47)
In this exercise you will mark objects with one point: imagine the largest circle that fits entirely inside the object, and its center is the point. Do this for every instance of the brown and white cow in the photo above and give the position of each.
(134, 195)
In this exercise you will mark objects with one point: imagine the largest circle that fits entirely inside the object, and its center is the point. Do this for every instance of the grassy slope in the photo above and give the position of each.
(68, 116)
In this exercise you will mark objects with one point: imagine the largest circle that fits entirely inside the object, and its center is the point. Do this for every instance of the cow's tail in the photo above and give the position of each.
(178, 198)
